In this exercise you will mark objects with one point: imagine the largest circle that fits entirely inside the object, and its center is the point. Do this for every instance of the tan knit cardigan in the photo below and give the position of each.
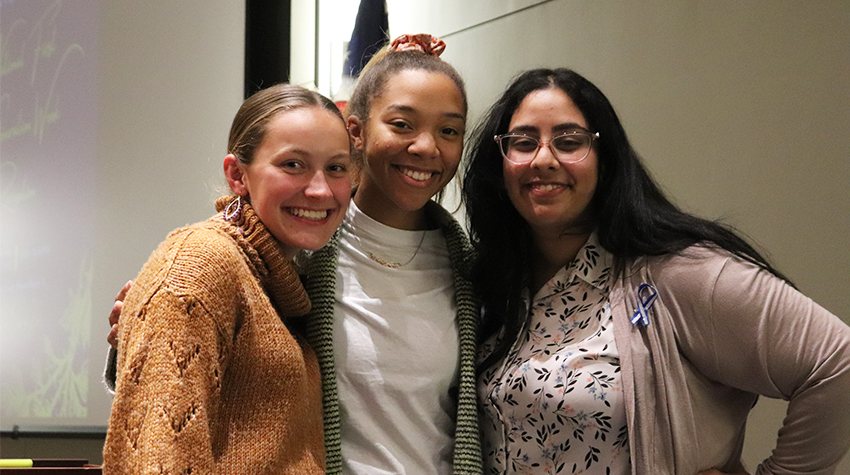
(210, 379)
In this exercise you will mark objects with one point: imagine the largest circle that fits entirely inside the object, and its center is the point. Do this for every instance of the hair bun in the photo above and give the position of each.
(422, 42)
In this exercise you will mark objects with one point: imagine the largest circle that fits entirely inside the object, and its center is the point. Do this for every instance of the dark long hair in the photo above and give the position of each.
(631, 214)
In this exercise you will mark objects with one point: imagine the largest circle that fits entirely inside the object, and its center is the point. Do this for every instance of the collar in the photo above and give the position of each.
(275, 271)
(591, 265)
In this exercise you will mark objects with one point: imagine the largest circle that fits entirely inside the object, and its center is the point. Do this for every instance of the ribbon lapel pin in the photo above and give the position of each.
(646, 298)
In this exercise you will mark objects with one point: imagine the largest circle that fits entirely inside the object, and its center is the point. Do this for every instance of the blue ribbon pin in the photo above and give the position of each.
(645, 303)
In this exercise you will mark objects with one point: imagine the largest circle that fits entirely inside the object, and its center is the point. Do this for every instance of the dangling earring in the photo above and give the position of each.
(233, 209)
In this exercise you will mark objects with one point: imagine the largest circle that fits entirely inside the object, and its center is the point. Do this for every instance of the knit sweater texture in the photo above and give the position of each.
(209, 377)
(320, 281)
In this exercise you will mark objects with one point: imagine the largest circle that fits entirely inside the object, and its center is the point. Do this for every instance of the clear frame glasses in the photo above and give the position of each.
(569, 147)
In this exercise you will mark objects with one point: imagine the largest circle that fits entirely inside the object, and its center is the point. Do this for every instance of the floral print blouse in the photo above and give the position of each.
(555, 404)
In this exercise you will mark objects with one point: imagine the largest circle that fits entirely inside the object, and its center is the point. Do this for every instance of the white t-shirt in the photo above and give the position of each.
(395, 349)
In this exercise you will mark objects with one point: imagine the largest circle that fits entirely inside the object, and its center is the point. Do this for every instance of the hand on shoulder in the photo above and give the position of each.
(115, 314)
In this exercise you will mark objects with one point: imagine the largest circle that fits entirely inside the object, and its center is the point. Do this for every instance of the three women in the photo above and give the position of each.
(620, 334)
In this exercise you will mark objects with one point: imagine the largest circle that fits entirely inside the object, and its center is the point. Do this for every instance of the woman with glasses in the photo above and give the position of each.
(622, 335)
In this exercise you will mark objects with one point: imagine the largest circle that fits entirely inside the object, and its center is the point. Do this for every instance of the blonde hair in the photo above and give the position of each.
(249, 124)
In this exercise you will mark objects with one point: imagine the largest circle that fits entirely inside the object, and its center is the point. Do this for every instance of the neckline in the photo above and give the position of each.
(385, 245)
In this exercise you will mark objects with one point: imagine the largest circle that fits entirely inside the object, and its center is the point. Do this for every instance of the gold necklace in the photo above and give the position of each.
(395, 265)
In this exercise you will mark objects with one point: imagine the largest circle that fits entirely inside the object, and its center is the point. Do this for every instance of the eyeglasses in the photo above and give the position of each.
(569, 147)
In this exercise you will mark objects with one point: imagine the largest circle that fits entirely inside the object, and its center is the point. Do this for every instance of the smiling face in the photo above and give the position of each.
(411, 143)
(299, 182)
(551, 196)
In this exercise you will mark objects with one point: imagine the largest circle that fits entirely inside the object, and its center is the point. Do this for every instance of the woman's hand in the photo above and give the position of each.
(112, 338)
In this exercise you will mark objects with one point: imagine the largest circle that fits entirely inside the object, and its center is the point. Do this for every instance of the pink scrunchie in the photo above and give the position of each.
(422, 42)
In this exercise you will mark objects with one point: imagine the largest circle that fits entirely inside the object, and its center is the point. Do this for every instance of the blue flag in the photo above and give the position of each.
(371, 32)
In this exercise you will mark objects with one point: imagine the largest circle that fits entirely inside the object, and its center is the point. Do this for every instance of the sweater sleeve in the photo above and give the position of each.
(762, 336)
(172, 356)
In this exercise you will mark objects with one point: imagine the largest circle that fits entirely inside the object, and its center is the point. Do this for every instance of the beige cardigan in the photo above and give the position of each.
(210, 379)
(721, 332)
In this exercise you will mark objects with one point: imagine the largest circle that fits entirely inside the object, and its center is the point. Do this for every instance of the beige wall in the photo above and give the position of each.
(740, 110)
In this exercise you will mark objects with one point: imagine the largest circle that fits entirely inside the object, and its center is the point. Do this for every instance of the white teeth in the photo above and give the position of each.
(418, 176)
(310, 214)
(546, 187)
